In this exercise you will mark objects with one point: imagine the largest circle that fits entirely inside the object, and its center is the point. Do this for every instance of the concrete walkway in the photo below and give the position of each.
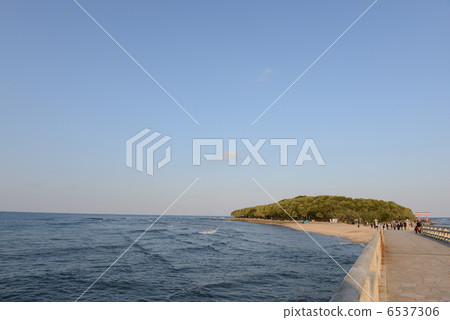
(417, 268)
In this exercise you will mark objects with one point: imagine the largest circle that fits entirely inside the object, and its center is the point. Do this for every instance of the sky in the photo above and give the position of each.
(377, 103)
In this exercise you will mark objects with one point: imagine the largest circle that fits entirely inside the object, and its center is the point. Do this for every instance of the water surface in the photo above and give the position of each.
(55, 257)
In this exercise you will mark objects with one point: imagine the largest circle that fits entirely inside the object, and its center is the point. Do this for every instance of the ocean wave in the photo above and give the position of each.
(206, 248)
(95, 219)
(209, 231)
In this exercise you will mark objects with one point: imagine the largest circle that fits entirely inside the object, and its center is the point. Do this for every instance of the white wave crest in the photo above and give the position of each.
(209, 231)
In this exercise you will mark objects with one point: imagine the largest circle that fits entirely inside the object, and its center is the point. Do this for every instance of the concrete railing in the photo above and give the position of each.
(438, 232)
(364, 278)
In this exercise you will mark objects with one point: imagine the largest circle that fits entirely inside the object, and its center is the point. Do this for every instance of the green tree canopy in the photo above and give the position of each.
(328, 207)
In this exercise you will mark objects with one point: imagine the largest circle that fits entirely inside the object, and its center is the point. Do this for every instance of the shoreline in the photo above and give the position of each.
(363, 234)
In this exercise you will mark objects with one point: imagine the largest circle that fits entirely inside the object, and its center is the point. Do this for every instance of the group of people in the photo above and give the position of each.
(396, 225)
(401, 225)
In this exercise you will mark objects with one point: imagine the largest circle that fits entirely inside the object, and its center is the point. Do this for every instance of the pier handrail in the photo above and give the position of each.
(437, 232)
(366, 272)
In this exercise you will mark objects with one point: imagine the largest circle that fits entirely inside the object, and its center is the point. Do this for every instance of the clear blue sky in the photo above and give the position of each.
(377, 104)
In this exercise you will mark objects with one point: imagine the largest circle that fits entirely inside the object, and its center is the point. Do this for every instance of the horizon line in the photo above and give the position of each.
(129, 214)
(141, 214)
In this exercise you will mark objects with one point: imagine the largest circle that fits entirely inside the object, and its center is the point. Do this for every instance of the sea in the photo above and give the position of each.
(57, 257)
(441, 221)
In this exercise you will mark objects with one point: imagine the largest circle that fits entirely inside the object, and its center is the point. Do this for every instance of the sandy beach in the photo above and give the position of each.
(362, 234)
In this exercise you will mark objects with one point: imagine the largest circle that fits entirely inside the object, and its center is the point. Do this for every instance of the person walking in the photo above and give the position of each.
(418, 227)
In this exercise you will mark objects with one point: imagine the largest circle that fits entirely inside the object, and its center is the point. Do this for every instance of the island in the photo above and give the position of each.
(315, 214)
